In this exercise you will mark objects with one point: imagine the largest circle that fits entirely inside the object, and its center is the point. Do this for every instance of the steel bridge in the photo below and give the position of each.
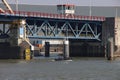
(56, 26)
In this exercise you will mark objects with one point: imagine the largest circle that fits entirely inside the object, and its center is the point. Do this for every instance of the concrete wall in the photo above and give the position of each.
(86, 48)
(117, 31)
(111, 29)
(9, 52)
(108, 30)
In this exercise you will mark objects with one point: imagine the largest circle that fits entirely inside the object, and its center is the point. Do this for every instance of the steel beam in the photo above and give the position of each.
(61, 28)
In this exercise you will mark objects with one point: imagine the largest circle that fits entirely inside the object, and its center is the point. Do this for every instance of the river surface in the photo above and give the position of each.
(48, 69)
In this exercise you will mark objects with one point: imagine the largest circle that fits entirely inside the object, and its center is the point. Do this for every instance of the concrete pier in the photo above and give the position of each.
(110, 49)
(66, 49)
(111, 37)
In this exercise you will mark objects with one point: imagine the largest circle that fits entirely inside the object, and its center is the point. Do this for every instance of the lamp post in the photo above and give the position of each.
(90, 8)
(16, 5)
(116, 12)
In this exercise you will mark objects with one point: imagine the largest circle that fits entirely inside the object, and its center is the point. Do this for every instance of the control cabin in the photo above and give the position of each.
(66, 9)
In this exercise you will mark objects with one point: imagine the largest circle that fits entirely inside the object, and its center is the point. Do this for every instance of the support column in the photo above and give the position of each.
(22, 33)
(13, 35)
(47, 49)
(110, 49)
(66, 49)
(3, 28)
(95, 29)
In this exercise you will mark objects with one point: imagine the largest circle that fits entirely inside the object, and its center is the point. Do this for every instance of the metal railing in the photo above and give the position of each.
(56, 16)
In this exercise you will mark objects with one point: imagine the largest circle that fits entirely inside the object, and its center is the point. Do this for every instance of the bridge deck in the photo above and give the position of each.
(56, 16)
(57, 26)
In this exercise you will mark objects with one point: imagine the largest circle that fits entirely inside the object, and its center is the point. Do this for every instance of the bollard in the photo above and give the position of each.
(27, 54)
(47, 49)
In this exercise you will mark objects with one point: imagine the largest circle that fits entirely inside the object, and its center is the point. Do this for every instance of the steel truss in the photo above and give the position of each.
(61, 29)
(51, 28)
(4, 31)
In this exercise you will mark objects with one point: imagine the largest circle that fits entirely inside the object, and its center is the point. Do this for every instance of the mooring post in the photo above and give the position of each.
(66, 49)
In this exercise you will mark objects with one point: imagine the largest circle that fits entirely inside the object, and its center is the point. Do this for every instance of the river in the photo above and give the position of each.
(48, 69)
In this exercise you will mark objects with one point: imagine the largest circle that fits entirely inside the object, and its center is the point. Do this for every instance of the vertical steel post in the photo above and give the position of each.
(95, 29)
(16, 5)
(90, 11)
(3, 28)
(47, 49)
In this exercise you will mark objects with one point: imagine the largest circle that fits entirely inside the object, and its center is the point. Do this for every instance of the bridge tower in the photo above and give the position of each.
(67, 10)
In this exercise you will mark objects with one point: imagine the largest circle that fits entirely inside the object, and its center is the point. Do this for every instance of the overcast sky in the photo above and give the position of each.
(76, 2)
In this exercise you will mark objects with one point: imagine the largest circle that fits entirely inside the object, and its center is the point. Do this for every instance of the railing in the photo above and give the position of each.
(50, 15)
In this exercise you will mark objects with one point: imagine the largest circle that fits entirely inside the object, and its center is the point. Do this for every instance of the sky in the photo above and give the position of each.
(75, 2)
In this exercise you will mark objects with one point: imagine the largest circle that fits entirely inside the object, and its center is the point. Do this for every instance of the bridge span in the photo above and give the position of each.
(58, 26)
(83, 33)
(24, 33)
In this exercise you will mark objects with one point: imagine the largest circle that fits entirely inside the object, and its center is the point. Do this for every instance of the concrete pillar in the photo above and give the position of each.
(13, 35)
(66, 49)
(110, 49)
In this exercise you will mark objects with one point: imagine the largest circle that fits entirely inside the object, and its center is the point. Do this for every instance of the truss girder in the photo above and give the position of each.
(64, 29)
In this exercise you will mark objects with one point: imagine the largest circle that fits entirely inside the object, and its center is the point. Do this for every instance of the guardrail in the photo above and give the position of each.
(51, 15)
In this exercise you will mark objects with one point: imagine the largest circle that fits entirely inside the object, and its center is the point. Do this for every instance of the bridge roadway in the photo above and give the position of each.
(56, 26)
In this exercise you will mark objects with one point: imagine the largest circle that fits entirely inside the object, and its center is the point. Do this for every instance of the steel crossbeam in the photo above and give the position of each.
(64, 29)
(48, 28)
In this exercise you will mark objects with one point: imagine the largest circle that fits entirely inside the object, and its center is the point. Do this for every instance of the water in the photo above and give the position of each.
(48, 69)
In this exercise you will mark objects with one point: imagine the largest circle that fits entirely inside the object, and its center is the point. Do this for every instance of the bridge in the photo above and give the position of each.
(65, 26)
(81, 35)
(57, 26)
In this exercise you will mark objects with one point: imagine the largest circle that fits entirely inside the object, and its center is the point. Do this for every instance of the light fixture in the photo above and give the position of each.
(23, 22)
